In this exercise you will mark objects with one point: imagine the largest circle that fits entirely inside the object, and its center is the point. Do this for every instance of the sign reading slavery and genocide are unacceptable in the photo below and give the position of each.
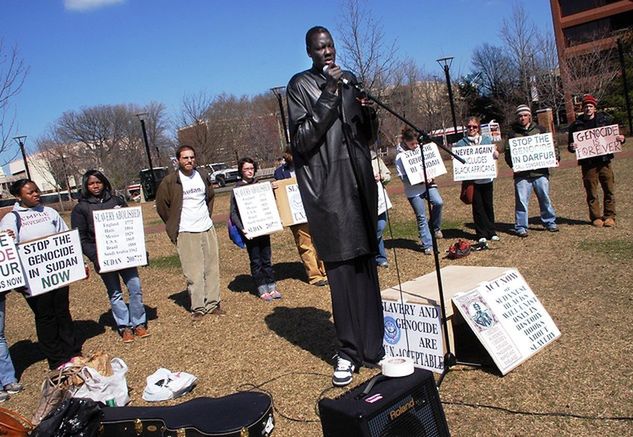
(120, 238)
(597, 141)
(535, 151)
(508, 319)
(10, 270)
(413, 330)
(480, 162)
(258, 210)
(412, 161)
(52, 262)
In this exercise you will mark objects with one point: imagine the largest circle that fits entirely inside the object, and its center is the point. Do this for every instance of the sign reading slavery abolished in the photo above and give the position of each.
(480, 163)
(412, 162)
(508, 319)
(413, 330)
(120, 238)
(258, 210)
(10, 270)
(535, 151)
(596, 142)
(52, 262)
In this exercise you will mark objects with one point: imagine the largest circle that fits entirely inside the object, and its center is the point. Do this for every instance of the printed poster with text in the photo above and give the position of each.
(412, 162)
(480, 162)
(120, 238)
(508, 319)
(258, 210)
(597, 141)
(295, 203)
(535, 151)
(384, 203)
(11, 275)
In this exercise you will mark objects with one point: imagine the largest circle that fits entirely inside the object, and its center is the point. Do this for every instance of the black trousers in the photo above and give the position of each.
(483, 211)
(260, 256)
(54, 326)
(357, 309)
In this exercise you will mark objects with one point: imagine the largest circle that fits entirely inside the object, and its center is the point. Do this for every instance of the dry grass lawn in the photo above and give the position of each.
(582, 384)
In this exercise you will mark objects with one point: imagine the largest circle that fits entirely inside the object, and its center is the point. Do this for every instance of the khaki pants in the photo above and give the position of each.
(592, 176)
(199, 256)
(315, 270)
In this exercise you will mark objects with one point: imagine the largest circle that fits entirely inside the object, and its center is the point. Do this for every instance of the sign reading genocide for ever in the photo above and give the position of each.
(258, 210)
(480, 163)
(597, 141)
(120, 238)
(535, 151)
(508, 319)
(52, 262)
(412, 161)
(10, 270)
(413, 330)
(383, 199)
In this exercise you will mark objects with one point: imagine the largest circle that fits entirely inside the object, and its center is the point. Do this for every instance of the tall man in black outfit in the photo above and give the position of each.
(332, 126)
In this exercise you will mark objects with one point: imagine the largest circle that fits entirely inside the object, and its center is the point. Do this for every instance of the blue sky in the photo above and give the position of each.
(91, 52)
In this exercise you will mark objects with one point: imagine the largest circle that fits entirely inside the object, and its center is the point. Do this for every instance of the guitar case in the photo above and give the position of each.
(243, 414)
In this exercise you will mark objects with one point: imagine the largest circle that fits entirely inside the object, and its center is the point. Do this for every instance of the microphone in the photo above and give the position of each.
(342, 79)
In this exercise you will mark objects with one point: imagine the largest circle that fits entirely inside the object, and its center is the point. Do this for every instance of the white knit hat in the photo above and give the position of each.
(523, 108)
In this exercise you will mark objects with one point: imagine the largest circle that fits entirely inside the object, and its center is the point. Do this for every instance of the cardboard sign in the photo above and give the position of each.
(383, 199)
(289, 202)
(258, 209)
(412, 162)
(596, 142)
(480, 163)
(414, 330)
(120, 238)
(508, 319)
(52, 262)
(535, 151)
(10, 269)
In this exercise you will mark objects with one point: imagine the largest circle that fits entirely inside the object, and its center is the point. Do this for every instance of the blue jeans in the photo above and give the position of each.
(381, 258)
(260, 256)
(417, 203)
(522, 191)
(7, 371)
(124, 317)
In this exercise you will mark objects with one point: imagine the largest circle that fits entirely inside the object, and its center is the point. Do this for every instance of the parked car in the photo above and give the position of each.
(222, 174)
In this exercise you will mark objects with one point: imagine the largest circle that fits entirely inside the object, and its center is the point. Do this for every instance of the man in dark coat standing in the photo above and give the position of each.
(332, 126)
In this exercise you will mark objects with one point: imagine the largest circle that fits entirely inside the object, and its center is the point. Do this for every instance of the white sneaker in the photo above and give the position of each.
(438, 234)
(495, 238)
(482, 240)
(343, 372)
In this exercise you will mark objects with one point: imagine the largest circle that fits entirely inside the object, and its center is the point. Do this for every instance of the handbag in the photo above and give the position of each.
(467, 193)
(13, 424)
(73, 417)
(57, 387)
(103, 388)
(234, 234)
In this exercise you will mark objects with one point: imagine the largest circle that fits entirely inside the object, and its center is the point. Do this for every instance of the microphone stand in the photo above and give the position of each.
(449, 358)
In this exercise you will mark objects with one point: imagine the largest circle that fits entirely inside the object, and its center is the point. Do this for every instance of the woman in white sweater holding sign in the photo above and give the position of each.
(30, 220)
(96, 195)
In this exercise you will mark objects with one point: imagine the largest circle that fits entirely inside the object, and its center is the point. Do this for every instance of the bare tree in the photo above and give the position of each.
(13, 71)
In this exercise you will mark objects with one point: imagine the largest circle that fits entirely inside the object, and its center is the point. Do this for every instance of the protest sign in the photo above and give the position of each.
(508, 319)
(52, 262)
(596, 142)
(289, 203)
(383, 199)
(10, 270)
(413, 330)
(120, 238)
(480, 163)
(412, 162)
(532, 152)
(258, 210)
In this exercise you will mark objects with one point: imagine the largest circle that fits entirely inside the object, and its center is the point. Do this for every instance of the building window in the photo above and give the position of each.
(571, 7)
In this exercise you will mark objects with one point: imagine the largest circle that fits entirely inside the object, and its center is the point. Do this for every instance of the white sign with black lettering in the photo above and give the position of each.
(52, 262)
(413, 330)
(596, 142)
(11, 275)
(508, 319)
(120, 238)
(296, 205)
(383, 199)
(412, 161)
(480, 163)
(258, 209)
(535, 151)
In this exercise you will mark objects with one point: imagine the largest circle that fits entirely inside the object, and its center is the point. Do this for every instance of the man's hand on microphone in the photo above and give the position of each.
(333, 74)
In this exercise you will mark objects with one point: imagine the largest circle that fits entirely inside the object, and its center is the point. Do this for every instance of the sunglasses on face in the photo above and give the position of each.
(472, 127)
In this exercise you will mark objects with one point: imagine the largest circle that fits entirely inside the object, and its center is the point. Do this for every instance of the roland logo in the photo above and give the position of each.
(394, 414)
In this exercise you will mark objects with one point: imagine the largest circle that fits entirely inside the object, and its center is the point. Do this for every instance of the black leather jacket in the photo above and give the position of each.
(331, 135)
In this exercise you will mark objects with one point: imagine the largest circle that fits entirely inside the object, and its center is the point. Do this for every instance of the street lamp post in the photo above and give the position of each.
(20, 141)
(141, 116)
(277, 92)
(445, 63)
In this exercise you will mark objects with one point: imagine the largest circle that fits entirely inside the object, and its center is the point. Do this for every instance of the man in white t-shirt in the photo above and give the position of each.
(184, 202)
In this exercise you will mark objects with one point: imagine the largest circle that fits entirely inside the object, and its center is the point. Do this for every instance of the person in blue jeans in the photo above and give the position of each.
(382, 175)
(8, 381)
(96, 194)
(417, 194)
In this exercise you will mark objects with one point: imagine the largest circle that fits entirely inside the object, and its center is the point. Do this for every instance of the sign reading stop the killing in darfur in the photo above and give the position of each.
(412, 161)
(597, 141)
(535, 151)
(120, 238)
(52, 262)
(258, 209)
(10, 270)
(480, 163)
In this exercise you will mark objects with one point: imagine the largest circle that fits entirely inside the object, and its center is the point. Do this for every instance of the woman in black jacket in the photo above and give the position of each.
(96, 194)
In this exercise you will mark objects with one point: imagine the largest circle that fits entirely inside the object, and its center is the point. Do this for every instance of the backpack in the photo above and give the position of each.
(459, 249)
